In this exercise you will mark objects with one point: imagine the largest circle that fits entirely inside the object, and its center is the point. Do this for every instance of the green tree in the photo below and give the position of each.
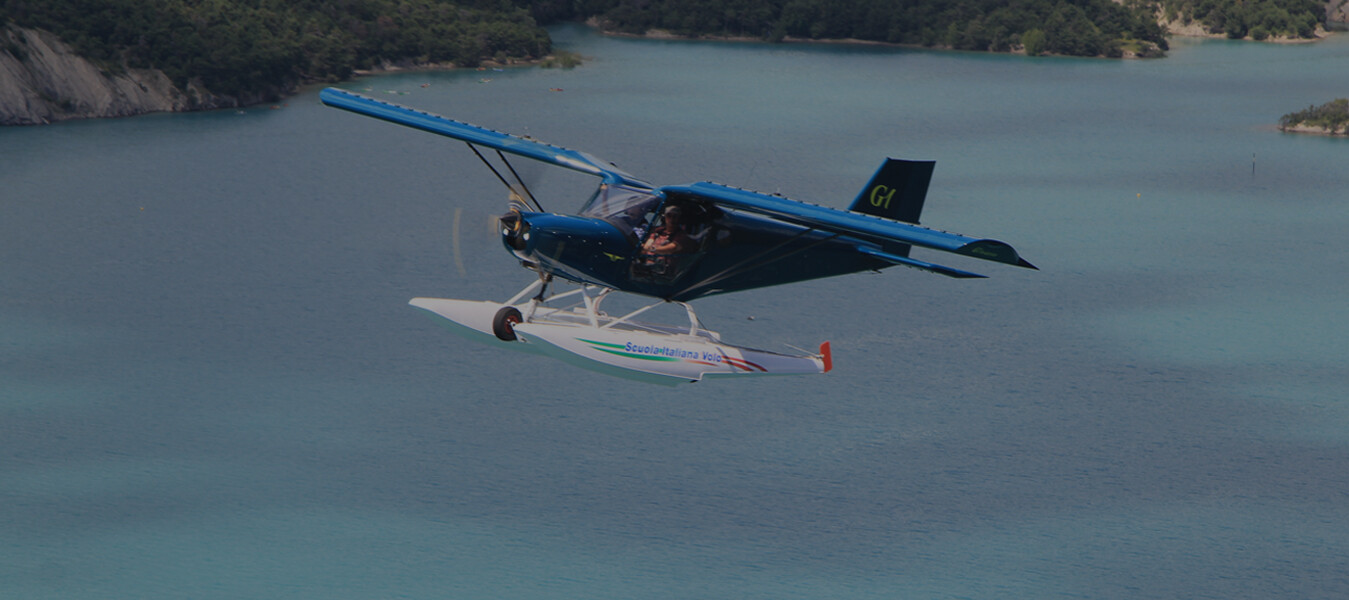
(1068, 31)
(1033, 41)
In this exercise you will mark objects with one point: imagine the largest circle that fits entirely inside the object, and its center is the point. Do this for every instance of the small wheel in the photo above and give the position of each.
(503, 324)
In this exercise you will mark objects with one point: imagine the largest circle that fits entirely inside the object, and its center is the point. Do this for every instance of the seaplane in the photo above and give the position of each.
(671, 244)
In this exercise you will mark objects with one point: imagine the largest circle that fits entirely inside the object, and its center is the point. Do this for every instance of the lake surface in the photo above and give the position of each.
(211, 385)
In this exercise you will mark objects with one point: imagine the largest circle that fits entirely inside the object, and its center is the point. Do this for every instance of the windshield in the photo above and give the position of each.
(628, 209)
(615, 200)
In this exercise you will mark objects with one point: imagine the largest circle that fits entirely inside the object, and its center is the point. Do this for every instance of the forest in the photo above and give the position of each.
(1255, 19)
(236, 47)
(1068, 27)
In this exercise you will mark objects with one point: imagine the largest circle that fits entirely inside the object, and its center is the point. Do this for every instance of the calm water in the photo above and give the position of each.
(211, 385)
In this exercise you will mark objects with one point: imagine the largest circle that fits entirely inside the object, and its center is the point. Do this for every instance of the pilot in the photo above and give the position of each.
(670, 237)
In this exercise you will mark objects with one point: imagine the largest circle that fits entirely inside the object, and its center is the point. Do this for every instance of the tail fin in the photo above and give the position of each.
(897, 190)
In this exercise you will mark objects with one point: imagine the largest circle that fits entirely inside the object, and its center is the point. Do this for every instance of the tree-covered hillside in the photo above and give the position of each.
(237, 47)
(251, 47)
(1256, 19)
(1072, 27)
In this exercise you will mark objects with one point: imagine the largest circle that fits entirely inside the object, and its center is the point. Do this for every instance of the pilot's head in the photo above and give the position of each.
(672, 213)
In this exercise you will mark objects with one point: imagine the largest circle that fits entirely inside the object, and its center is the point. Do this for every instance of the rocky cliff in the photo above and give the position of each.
(43, 80)
(1337, 14)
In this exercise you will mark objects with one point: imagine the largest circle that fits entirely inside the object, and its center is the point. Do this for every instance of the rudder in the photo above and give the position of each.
(897, 190)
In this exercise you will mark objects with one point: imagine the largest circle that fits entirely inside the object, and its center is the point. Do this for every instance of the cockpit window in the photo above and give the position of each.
(615, 200)
(628, 209)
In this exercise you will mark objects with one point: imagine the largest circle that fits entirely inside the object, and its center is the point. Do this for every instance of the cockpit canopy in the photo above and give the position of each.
(629, 209)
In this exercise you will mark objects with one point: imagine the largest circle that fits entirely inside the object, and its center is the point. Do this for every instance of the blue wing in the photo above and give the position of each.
(885, 239)
(425, 121)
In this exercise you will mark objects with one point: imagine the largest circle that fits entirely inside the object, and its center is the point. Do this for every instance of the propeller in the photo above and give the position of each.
(454, 241)
(511, 226)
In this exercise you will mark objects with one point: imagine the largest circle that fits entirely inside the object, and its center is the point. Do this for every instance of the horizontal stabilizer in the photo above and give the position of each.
(918, 264)
(995, 251)
(402, 115)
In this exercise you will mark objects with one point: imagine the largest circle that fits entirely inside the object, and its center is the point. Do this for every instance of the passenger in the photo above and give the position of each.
(670, 237)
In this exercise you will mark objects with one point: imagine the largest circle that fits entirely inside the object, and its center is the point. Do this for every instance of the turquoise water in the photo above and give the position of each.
(211, 385)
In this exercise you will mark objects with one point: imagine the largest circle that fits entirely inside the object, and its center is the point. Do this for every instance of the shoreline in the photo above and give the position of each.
(413, 67)
(1302, 129)
(1173, 29)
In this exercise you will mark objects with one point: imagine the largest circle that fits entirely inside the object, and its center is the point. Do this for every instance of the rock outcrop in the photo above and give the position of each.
(1337, 14)
(43, 80)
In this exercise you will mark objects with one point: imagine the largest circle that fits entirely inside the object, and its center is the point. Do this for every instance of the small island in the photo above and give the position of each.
(1331, 118)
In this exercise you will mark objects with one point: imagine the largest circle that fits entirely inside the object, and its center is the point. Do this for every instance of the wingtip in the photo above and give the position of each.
(827, 356)
(326, 95)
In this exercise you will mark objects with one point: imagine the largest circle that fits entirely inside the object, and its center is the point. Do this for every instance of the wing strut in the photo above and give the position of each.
(520, 181)
(508, 185)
